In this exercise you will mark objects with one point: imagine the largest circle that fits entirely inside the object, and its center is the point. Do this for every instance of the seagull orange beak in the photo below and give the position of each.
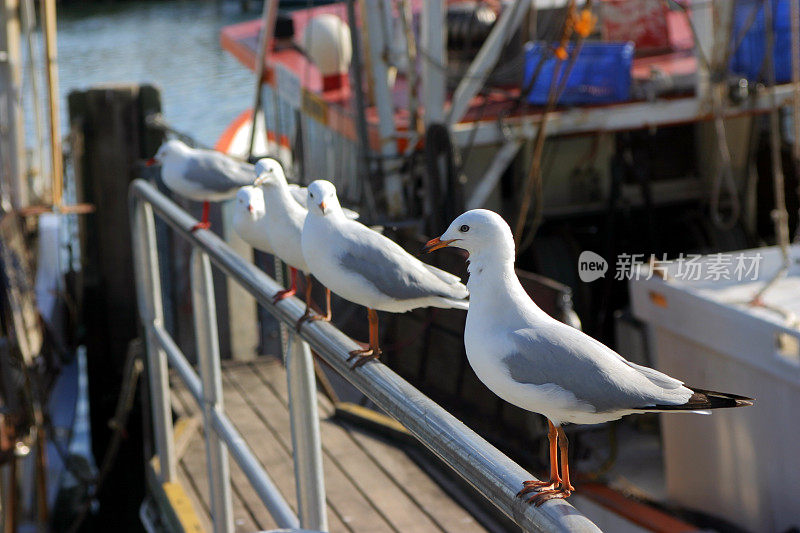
(322, 206)
(250, 208)
(150, 162)
(435, 244)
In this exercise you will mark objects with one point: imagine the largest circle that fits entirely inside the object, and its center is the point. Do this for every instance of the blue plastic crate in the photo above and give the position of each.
(749, 57)
(601, 74)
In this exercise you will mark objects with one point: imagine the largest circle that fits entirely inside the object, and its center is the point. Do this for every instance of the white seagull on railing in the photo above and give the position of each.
(542, 365)
(248, 217)
(369, 269)
(282, 226)
(201, 175)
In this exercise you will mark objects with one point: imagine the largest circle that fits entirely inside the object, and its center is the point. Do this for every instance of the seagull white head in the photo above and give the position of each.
(169, 148)
(479, 232)
(269, 172)
(322, 199)
(250, 202)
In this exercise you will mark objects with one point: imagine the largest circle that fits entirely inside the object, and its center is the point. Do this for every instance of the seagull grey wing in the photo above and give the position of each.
(349, 213)
(558, 354)
(389, 268)
(300, 194)
(217, 172)
(658, 378)
(447, 277)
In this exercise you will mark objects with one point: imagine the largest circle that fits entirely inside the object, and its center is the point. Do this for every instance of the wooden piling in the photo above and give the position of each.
(114, 139)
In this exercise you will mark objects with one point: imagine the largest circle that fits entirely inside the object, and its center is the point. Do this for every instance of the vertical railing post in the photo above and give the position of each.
(304, 416)
(148, 289)
(205, 329)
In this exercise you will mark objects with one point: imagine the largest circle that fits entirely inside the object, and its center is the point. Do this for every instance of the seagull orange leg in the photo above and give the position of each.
(204, 223)
(566, 488)
(373, 351)
(555, 479)
(307, 316)
(285, 293)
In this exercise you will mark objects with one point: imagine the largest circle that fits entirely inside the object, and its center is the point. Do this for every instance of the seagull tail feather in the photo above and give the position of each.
(706, 399)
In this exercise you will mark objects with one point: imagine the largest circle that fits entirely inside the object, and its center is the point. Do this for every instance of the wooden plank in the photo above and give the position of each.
(428, 495)
(177, 509)
(183, 508)
(268, 453)
(392, 503)
(347, 504)
(243, 517)
(431, 499)
(272, 450)
(197, 500)
(371, 484)
(391, 498)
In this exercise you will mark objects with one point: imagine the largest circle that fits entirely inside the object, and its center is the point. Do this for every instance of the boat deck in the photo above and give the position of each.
(371, 483)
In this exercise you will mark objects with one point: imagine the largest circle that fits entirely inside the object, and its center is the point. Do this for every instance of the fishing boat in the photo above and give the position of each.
(651, 136)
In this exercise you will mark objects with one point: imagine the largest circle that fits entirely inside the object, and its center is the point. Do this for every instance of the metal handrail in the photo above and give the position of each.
(492, 473)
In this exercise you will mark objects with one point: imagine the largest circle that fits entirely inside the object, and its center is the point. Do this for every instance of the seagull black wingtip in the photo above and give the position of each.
(706, 399)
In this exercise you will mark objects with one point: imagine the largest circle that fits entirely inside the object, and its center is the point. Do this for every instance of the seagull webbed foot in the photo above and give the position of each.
(545, 490)
(308, 317)
(560, 493)
(536, 486)
(364, 356)
(280, 295)
(200, 225)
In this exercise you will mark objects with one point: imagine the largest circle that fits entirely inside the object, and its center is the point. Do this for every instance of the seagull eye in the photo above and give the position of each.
(464, 228)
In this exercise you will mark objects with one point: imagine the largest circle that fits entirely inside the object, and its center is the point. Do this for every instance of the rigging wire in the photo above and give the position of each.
(795, 41)
(779, 214)
(533, 184)
(724, 175)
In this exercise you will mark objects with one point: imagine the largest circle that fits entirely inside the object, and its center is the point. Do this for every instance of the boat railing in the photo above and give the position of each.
(493, 474)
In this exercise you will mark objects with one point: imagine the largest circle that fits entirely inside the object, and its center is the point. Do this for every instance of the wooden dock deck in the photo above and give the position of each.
(372, 485)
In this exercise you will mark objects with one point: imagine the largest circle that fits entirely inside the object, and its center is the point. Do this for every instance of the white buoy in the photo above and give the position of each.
(327, 42)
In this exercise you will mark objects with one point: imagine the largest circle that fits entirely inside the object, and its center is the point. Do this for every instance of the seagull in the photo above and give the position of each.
(539, 364)
(248, 217)
(282, 225)
(369, 269)
(201, 175)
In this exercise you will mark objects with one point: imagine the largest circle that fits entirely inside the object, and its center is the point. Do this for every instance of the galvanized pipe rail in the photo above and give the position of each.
(496, 476)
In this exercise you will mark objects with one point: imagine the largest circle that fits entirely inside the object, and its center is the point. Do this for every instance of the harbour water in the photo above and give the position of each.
(172, 44)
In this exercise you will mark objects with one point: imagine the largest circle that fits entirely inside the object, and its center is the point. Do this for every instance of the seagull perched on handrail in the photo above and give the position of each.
(369, 269)
(201, 175)
(248, 217)
(537, 363)
(283, 220)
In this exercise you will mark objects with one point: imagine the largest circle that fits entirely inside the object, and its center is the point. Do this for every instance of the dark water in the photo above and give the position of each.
(172, 44)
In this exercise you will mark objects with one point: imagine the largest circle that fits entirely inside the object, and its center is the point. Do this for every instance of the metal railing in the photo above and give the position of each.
(496, 476)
